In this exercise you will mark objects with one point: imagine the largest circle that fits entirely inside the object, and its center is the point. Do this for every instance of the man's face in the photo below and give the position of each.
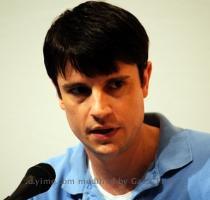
(106, 112)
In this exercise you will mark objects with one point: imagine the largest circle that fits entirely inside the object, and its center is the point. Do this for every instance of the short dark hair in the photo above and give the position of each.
(92, 37)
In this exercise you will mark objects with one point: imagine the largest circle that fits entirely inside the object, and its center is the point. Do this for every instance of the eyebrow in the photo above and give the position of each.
(123, 77)
(68, 86)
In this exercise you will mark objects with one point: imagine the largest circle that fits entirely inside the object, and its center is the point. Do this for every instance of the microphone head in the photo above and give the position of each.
(44, 176)
(38, 179)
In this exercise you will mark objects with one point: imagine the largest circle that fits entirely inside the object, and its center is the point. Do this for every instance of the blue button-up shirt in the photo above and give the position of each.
(181, 170)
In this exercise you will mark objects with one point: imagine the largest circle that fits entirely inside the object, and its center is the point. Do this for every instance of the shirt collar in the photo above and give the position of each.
(174, 150)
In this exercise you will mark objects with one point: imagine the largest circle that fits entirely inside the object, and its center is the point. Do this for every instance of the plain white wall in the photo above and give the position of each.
(32, 126)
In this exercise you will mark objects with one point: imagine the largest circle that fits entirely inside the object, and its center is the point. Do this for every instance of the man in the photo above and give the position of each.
(97, 58)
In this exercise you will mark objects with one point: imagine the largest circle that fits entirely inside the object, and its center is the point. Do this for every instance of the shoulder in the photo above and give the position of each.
(60, 160)
(199, 143)
(65, 166)
(200, 179)
(201, 136)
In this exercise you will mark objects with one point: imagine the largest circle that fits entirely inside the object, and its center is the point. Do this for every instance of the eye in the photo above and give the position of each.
(115, 84)
(80, 91)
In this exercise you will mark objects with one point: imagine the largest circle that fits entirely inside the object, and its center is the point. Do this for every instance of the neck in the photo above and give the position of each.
(121, 173)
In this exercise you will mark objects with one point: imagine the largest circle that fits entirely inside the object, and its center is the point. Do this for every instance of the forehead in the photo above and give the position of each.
(71, 75)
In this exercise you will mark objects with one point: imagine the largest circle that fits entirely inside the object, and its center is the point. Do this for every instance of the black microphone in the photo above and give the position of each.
(38, 179)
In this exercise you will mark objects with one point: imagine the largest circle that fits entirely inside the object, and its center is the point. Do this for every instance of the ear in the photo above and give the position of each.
(61, 104)
(147, 74)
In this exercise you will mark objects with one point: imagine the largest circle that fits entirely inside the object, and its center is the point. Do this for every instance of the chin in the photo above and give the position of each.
(105, 150)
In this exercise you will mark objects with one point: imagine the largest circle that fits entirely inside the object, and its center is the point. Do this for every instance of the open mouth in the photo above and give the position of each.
(102, 131)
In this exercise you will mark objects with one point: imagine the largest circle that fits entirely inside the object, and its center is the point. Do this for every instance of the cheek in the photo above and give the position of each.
(76, 118)
(72, 120)
(132, 110)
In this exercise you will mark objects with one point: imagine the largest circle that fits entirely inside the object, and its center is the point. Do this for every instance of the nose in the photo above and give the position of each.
(101, 106)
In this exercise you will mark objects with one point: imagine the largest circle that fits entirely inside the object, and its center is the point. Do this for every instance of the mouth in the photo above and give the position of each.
(103, 131)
